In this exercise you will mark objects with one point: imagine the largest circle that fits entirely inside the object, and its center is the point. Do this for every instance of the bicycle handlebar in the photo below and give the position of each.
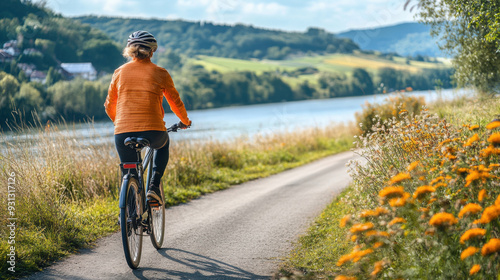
(175, 127)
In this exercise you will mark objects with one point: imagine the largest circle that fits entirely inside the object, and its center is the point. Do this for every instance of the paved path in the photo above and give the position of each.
(239, 233)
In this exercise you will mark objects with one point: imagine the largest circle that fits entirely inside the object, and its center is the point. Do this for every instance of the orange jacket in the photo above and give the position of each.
(135, 95)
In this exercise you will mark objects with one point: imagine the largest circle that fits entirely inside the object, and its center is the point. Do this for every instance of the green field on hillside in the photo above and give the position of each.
(342, 63)
(333, 63)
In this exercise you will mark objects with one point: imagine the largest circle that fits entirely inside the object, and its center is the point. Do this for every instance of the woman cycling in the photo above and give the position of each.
(134, 104)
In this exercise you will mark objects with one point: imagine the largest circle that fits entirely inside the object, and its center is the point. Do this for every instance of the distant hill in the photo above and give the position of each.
(405, 39)
(232, 41)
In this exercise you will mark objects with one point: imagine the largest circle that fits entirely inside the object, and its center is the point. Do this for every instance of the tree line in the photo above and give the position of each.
(238, 41)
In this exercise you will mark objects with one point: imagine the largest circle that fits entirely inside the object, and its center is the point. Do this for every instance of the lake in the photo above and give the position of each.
(232, 122)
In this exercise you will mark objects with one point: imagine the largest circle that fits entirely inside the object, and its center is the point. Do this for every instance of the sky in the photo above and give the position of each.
(289, 15)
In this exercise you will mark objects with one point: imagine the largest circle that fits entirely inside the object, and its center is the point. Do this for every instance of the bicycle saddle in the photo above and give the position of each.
(136, 142)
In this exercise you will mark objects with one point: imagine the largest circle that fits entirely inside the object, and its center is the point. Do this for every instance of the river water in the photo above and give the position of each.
(239, 121)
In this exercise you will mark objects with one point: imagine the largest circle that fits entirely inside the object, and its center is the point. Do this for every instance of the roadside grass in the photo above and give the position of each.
(66, 189)
(437, 167)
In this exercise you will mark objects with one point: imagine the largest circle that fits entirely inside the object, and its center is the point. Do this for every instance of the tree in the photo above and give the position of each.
(471, 31)
(362, 82)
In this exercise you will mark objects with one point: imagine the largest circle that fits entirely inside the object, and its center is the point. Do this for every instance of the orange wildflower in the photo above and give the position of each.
(343, 277)
(354, 238)
(400, 177)
(358, 255)
(474, 127)
(391, 192)
(472, 233)
(497, 201)
(378, 245)
(376, 233)
(475, 268)
(377, 212)
(468, 252)
(494, 138)
(397, 220)
(493, 125)
(491, 247)
(491, 150)
(489, 214)
(471, 208)
(442, 219)
(413, 165)
(421, 191)
(440, 178)
(361, 227)
(399, 201)
(471, 140)
(482, 194)
(377, 268)
(345, 220)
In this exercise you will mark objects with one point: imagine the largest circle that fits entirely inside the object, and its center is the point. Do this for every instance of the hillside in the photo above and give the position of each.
(238, 41)
(405, 39)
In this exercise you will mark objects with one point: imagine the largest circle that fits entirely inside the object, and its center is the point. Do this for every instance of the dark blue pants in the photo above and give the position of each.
(158, 140)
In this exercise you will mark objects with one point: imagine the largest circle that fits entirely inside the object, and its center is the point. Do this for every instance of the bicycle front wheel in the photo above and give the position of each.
(131, 227)
(158, 222)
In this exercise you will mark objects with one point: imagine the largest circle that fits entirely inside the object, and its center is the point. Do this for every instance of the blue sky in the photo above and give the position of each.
(291, 15)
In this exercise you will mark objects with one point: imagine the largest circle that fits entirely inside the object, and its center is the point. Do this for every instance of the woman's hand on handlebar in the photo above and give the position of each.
(184, 126)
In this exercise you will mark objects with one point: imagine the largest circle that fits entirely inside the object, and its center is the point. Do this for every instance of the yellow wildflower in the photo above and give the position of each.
(482, 194)
(475, 268)
(468, 252)
(491, 247)
(392, 192)
(421, 191)
(472, 233)
(361, 227)
(471, 208)
(493, 125)
(442, 219)
(400, 177)
(471, 140)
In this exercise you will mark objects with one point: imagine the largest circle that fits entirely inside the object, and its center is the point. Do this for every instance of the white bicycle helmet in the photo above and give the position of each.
(142, 38)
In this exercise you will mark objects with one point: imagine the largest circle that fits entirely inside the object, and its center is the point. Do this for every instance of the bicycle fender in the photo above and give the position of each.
(123, 191)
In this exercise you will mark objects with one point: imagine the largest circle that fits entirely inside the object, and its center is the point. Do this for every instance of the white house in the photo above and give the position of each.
(83, 70)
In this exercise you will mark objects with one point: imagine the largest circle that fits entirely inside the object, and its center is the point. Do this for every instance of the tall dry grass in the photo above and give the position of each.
(66, 183)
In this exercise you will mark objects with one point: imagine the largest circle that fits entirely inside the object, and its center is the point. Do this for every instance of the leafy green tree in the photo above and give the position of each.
(28, 98)
(362, 82)
(471, 31)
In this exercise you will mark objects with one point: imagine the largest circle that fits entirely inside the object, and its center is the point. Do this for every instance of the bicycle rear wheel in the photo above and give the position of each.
(131, 228)
(158, 222)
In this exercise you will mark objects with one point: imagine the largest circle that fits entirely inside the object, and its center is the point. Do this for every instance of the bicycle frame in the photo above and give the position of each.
(140, 166)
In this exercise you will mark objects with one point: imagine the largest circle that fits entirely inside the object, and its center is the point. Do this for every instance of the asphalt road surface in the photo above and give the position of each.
(239, 233)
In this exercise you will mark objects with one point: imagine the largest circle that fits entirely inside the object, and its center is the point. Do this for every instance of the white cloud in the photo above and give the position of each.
(264, 9)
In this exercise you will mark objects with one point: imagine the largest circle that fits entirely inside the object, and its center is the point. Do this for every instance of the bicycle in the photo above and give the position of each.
(136, 216)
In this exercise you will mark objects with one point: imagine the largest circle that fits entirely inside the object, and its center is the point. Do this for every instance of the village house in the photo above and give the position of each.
(83, 70)
(38, 76)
